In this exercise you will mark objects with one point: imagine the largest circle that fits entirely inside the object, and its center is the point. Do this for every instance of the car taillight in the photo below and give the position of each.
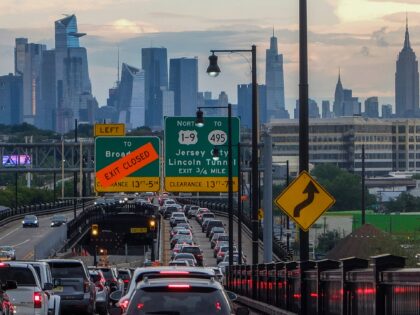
(37, 300)
(99, 286)
(86, 286)
(126, 281)
(174, 272)
(124, 304)
(179, 286)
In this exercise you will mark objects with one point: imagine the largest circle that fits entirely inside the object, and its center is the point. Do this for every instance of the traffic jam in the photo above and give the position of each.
(190, 283)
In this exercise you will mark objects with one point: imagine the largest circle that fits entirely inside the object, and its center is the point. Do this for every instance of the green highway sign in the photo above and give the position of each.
(189, 164)
(127, 164)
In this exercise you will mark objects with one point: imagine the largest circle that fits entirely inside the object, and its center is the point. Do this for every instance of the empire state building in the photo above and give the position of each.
(407, 81)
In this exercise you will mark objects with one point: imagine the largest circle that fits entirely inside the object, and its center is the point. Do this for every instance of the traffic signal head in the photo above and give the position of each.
(152, 225)
(94, 230)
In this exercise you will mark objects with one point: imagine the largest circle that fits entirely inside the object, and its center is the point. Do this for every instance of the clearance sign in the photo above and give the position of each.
(127, 164)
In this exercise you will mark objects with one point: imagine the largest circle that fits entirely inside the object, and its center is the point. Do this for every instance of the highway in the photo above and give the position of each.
(25, 239)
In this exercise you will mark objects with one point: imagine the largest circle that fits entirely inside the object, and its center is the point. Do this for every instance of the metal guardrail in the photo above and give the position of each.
(9, 215)
(349, 286)
(221, 208)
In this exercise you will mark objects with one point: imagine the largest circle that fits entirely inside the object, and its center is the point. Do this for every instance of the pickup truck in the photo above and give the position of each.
(44, 275)
(29, 298)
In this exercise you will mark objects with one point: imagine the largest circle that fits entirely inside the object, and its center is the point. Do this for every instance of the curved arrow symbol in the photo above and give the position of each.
(311, 190)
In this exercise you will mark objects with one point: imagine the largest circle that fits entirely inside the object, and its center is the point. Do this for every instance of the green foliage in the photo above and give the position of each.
(327, 241)
(405, 202)
(17, 133)
(343, 185)
(26, 196)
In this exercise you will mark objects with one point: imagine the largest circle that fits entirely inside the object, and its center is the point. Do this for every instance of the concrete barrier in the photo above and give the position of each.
(51, 243)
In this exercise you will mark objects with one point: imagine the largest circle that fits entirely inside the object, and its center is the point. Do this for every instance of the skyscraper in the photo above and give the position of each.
(313, 110)
(372, 107)
(326, 111)
(274, 81)
(131, 102)
(338, 105)
(245, 104)
(20, 48)
(11, 99)
(71, 75)
(32, 91)
(155, 64)
(183, 81)
(407, 81)
(386, 111)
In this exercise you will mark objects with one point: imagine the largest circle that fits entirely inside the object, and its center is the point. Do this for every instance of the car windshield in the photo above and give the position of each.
(107, 273)
(58, 218)
(30, 217)
(188, 301)
(192, 250)
(6, 248)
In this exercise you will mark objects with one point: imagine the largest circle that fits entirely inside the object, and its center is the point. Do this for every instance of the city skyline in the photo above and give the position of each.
(364, 46)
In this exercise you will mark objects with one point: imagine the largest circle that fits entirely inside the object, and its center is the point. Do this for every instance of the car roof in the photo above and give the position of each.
(177, 270)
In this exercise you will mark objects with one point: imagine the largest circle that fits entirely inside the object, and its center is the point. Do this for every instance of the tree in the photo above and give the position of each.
(405, 202)
(327, 241)
(343, 185)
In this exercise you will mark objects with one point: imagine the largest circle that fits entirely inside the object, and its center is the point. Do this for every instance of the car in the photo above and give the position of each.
(58, 220)
(184, 263)
(206, 215)
(167, 212)
(29, 297)
(102, 291)
(235, 258)
(100, 202)
(215, 238)
(218, 245)
(184, 232)
(72, 282)
(192, 211)
(112, 279)
(211, 224)
(30, 220)
(125, 275)
(196, 251)
(181, 296)
(186, 256)
(216, 229)
(175, 215)
(179, 238)
(224, 250)
(9, 251)
(179, 220)
(200, 212)
(161, 272)
(44, 275)
(219, 274)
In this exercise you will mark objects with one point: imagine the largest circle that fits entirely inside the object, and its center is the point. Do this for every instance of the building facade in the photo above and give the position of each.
(183, 81)
(407, 81)
(372, 107)
(245, 104)
(11, 99)
(339, 141)
(155, 64)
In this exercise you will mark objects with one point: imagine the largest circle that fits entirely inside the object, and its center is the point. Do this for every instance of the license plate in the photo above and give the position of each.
(58, 289)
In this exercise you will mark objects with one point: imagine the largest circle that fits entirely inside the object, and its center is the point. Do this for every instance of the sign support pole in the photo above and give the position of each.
(268, 199)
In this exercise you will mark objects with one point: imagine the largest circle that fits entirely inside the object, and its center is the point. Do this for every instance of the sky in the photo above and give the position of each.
(360, 37)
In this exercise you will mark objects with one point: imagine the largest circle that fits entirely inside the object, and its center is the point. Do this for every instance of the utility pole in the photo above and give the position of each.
(268, 199)
(75, 172)
(363, 186)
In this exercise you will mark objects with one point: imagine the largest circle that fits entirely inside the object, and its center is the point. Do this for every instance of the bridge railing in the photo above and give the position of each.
(349, 286)
(12, 214)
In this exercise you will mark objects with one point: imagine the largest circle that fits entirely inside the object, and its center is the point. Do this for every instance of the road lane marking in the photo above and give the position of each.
(6, 235)
(21, 243)
(28, 256)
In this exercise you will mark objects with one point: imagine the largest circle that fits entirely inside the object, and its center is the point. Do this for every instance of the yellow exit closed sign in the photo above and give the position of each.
(109, 130)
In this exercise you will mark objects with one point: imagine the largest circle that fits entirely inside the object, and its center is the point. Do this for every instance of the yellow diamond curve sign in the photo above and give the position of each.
(304, 200)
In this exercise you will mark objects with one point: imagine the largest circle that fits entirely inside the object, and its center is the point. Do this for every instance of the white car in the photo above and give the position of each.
(44, 274)
(29, 298)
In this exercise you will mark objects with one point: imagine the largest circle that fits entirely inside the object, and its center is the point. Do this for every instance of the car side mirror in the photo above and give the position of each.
(242, 311)
(56, 283)
(10, 285)
(48, 286)
(232, 296)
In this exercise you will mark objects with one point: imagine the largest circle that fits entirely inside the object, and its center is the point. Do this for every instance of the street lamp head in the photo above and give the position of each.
(199, 120)
(213, 69)
(216, 155)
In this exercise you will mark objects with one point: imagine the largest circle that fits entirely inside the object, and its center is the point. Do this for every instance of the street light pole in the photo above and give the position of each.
(239, 205)
(214, 70)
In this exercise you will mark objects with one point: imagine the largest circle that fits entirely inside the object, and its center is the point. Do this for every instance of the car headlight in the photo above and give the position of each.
(52, 223)
(23, 222)
(36, 221)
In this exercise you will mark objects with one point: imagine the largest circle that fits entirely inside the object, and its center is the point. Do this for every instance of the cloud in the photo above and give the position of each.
(379, 37)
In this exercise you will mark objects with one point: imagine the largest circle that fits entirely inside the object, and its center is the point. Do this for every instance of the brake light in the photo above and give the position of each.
(179, 286)
(124, 304)
(126, 281)
(99, 286)
(140, 306)
(37, 300)
(4, 265)
(174, 272)
(218, 306)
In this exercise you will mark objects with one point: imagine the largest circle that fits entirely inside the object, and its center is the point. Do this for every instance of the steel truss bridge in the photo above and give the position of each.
(48, 157)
